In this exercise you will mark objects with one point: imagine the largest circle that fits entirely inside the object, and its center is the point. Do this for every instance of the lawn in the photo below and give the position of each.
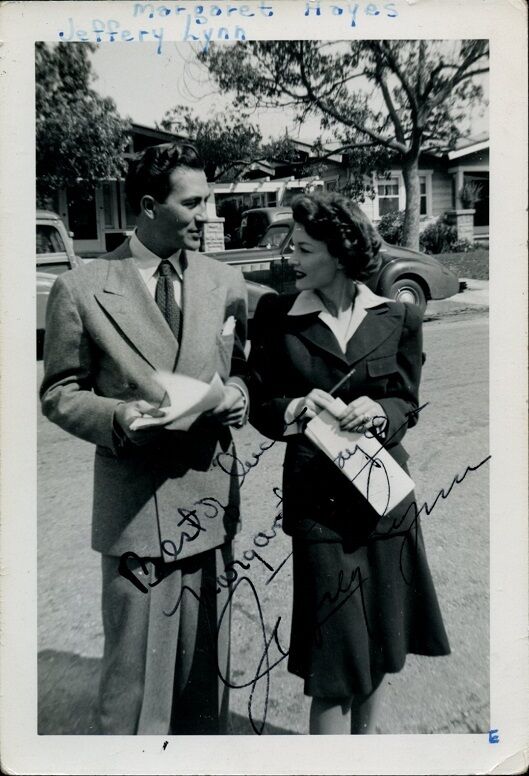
(474, 264)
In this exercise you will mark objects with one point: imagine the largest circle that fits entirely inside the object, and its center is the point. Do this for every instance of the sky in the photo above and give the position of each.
(145, 85)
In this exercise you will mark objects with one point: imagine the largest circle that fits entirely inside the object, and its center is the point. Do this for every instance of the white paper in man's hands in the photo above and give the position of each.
(362, 459)
(188, 398)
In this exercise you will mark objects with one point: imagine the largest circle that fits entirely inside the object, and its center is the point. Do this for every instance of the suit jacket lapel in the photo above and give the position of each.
(127, 300)
(309, 327)
(376, 327)
(201, 319)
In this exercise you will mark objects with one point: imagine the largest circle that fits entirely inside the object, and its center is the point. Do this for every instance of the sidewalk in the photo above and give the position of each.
(474, 299)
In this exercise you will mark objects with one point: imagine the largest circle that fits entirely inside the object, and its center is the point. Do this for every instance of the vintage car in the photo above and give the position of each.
(255, 222)
(54, 254)
(404, 274)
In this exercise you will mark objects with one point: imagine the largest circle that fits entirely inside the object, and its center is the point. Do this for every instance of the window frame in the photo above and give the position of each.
(424, 175)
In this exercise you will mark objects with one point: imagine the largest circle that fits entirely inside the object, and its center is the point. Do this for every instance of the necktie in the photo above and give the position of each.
(165, 298)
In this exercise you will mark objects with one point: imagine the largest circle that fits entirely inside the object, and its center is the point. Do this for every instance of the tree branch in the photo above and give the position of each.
(399, 131)
(326, 108)
(395, 67)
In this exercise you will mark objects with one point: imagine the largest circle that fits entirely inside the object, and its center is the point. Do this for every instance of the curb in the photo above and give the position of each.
(473, 300)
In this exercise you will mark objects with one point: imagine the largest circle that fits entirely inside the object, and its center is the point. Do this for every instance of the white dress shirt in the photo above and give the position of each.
(345, 326)
(147, 264)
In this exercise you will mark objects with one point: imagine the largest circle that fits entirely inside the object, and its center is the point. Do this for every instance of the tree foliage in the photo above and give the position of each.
(80, 137)
(383, 100)
(228, 142)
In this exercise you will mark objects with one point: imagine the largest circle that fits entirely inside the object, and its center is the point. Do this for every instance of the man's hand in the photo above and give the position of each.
(231, 409)
(128, 411)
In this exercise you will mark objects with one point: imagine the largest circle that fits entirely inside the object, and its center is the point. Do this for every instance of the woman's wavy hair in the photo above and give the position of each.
(149, 172)
(344, 228)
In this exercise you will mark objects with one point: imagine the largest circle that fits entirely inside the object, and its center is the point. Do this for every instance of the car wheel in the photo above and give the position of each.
(408, 291)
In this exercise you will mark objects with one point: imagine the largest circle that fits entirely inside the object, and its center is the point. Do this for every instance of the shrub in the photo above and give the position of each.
(390, 227)
(463, 246)
(438, 237)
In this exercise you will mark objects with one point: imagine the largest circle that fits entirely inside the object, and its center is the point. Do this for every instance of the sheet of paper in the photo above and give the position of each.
(362, 459)
(188, 398)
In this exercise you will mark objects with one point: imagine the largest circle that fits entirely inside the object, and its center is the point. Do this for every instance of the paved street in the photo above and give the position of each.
(438, 695)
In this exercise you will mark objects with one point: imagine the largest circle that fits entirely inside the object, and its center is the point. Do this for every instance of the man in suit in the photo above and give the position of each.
(164, 514)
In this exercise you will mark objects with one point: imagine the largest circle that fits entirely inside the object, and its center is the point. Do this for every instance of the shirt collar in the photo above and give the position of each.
(148, 262)
(309, 302)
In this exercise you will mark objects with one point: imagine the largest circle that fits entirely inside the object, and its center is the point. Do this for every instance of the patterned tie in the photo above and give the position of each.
(165, 298)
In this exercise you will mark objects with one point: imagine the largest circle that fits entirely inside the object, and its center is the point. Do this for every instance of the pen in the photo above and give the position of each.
(342, 381)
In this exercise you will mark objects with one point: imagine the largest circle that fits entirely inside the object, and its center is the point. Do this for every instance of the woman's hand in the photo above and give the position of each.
(363, 414)
(309, 406)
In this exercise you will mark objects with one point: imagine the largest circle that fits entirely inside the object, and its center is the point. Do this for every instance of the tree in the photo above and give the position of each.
(227, 142)
(80, 137)
(385, 101)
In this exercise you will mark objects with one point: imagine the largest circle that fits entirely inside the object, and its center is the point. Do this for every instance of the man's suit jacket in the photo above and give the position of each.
(105, 337)
(290, 356)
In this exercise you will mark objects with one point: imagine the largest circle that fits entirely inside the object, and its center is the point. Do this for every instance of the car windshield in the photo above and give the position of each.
(274, 236)
(49, 239)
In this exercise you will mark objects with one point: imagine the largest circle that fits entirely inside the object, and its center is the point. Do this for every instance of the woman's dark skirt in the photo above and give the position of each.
(356, 615)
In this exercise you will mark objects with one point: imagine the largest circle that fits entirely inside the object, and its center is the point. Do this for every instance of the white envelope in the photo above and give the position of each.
(362, 459)
(188, 398)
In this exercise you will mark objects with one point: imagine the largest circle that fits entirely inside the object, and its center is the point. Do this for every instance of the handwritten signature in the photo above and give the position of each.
(272, 652)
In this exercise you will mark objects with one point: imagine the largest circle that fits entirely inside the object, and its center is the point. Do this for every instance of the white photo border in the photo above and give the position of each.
(504, 23)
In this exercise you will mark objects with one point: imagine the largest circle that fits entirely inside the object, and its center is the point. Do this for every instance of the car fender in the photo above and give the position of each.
(45, 281)
(437, 281)
(255, 292)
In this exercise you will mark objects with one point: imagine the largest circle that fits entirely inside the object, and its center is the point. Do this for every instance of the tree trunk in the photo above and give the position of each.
(410, 173)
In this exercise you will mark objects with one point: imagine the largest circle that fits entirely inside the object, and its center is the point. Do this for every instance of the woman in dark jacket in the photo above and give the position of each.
(363, 595)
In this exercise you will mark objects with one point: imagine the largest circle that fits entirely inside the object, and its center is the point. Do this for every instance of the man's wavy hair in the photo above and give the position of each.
(150, 170)
(344, 228)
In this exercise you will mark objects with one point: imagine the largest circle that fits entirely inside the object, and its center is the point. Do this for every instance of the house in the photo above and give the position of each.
(441, 179)
(99, 220)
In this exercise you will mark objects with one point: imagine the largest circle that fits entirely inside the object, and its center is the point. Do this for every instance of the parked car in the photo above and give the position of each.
(256, 221)
(404, 275)
(54, 254)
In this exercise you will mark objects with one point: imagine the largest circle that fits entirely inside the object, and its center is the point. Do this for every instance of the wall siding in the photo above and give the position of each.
(441, 193)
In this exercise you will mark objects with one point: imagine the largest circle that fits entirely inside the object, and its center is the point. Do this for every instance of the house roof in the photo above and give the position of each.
(474, 147)
(308, 147)
(158, 134)
(257, 186)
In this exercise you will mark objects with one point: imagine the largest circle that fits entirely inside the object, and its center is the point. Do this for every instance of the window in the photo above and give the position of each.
(388, 196)
(49, 240)
(258, 200)
(331, 185)
(274, 236)
(391, 196)
(424, 196)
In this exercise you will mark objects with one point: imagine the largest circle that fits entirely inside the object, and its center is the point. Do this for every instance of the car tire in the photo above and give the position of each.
(408, 291)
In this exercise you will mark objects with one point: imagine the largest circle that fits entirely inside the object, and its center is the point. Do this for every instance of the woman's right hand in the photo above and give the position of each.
(309, 406)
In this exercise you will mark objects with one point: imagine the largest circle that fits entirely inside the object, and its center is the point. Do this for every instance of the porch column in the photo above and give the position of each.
(459, 181)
